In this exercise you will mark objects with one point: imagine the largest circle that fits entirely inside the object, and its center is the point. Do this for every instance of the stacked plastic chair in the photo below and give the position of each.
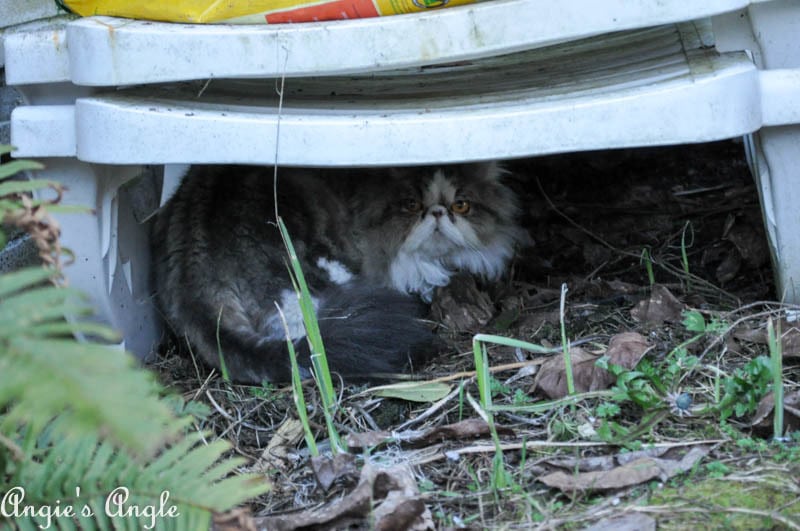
(117, 108)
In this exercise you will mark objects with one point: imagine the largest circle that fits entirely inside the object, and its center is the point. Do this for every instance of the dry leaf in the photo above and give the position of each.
(413, 391)
(624, 349)
(748, 238)
(790, 337)
(661, 307)
(367, 439)
(466, 429)
(238, 519)
(633, 473)
(603, 462)
(329, 470)
(587, 376)
(627, 522)
(276, 455)
(390, 495)
(461, 306)
(763, 417)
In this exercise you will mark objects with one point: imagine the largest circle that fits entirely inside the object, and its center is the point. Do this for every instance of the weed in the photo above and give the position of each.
(647, 260)
(266, 391)
(319, 361)
(717, 469)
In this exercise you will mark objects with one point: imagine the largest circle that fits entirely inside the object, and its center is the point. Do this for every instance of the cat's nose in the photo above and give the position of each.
(437, 211)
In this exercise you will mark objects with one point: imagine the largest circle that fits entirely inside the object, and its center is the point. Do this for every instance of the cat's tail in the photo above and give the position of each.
(368, 333)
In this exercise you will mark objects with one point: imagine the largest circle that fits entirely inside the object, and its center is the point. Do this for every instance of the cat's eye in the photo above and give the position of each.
(412, 205)
(460, 206)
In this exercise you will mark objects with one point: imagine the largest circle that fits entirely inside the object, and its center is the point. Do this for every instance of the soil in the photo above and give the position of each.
(679, 433)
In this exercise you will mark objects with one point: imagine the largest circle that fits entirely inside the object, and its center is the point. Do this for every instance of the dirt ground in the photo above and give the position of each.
(668, 281)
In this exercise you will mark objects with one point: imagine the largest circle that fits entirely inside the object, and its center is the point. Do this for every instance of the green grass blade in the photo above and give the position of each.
(776, 366)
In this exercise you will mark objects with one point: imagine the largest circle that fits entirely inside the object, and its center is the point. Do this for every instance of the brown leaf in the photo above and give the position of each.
(587, 376)
(328, 470)
(618, 286)
(661, 307)
(748, 238)
(626, 349)
(238, 519)
(466, 429)
(367, 439)
(461, 306)
(763, 417)
(390, 495)
(633, 473)
(603, 462)
(790, 337)
(276, 455)
(729, 267)
(627, 522)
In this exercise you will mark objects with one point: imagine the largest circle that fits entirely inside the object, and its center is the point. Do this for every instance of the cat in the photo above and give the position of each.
(374, 244)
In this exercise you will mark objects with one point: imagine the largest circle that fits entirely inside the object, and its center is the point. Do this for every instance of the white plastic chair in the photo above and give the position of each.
(109, 100)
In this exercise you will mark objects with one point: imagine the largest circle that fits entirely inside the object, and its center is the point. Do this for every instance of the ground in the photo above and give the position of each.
(668, 281)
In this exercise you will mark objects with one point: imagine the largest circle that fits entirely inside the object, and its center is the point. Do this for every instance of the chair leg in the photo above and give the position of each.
(773, 154)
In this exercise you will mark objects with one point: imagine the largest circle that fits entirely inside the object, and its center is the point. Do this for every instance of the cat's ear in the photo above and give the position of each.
(490, 170)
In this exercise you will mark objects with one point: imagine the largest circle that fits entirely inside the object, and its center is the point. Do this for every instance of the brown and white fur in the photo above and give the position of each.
(374, 244)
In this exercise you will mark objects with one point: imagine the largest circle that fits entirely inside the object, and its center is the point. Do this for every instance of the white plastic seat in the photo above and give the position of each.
(654, 86)
(467, 83)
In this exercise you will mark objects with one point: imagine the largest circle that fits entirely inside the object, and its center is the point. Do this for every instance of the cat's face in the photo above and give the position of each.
(434, 221)
(455, 208)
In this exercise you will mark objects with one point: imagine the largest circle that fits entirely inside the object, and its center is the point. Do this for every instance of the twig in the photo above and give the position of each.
(437, 451)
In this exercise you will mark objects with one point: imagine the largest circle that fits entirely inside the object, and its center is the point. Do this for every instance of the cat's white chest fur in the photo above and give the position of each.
(418, 272)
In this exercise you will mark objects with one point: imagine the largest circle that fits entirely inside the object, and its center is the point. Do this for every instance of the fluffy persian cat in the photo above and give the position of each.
(374, 245)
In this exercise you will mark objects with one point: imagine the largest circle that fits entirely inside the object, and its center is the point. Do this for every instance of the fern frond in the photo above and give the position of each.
(44, 372)
(78, 420)
(90, 477)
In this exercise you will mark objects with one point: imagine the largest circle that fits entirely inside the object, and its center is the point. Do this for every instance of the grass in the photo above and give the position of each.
(319, 360)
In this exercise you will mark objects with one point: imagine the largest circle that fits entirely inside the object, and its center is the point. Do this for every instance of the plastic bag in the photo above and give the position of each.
(252, 11)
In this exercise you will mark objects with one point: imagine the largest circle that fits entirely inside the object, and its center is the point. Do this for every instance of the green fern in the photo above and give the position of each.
(45, 373)
(79, 419)
(176, 490)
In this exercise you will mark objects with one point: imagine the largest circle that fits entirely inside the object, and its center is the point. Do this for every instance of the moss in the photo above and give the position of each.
(707, 503)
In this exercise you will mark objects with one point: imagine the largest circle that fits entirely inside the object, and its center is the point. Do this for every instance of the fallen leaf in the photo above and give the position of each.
(466, 429)
(790, 337)
(587, 376)
(628, 522)
(276, 456)
(329, 470)
(763, 417)
(729, 267)
(603, 462)
(461, 306)
(661, 307)
(748, 238)
(536, 320)
(618, 286)
(367, 439)
(413, 391)
(633, 473)
(238, 519)
(624, 349)
(389, 498)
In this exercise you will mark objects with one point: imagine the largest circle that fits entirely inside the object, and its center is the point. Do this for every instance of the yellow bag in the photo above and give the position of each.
(252, 11)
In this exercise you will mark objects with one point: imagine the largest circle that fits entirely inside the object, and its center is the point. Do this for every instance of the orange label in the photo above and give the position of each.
(336, 10)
